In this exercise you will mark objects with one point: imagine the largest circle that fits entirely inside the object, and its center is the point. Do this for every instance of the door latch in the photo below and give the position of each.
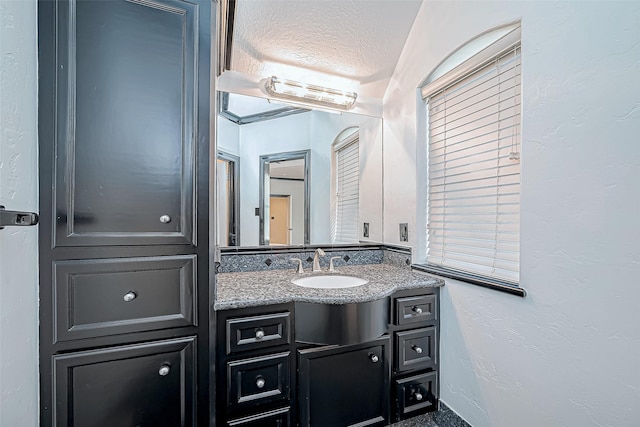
(8, 218)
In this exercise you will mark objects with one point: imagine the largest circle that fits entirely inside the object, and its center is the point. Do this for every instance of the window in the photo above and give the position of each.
(347, 190)
(473, 168)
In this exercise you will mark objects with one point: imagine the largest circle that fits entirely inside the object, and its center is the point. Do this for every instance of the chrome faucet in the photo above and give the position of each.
(316, 263)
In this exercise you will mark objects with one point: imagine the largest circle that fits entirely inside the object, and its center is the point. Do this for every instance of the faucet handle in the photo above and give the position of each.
(300, 269)
(331, 268)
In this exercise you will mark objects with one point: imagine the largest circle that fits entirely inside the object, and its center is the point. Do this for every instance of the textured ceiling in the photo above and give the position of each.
(345, 44)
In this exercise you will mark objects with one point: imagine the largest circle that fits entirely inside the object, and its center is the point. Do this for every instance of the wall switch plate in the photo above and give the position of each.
(404, 232)
(365, 230)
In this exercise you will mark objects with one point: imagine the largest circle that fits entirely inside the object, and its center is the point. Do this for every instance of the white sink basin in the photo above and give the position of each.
(329, 282)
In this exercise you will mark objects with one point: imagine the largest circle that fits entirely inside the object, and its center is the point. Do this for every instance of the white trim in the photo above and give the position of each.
(489, 53)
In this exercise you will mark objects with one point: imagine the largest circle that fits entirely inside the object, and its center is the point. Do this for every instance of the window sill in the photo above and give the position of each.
(471, 279)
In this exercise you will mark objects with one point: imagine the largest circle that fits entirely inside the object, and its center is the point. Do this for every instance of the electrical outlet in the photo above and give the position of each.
(404, 232)
(365, 230)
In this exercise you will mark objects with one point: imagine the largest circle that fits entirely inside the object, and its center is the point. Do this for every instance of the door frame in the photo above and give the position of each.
(265, 177)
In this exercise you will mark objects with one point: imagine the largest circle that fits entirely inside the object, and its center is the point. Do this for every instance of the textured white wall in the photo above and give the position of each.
(567, 354)
(18, 191)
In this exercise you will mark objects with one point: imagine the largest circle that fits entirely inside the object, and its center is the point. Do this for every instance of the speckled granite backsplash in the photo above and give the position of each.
(274, 258)
(397, 258)
(239, 262)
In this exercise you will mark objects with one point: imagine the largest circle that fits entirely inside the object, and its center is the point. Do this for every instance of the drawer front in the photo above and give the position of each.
(416, 349)
(416, 393)
(250, 333)
(277, 418)
(419, 308)
(150, 384)
(101, 297)
(258, 380)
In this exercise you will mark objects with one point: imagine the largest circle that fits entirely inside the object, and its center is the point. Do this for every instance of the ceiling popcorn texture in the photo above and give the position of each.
(344, 44)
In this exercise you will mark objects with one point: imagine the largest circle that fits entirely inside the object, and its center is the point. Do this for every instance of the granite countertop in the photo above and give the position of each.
(254, 288)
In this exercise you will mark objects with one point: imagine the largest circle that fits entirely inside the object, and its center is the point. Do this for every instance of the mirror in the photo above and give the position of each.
(321, 172)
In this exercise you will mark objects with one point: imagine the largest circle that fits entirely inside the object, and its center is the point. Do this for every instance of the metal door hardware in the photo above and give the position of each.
(8, 218)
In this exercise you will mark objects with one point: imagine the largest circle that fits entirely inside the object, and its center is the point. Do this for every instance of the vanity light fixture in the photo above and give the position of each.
(310, 95)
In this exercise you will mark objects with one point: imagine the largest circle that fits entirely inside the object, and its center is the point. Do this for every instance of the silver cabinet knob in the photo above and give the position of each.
(374, 358)
(417, 310)
(260, 382)
(417, 349)
(165, 219)
(129, 296)
(259, 334)
(164, 370)
(417, 395)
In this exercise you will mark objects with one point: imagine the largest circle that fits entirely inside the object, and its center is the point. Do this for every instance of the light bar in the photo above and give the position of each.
(310, 94)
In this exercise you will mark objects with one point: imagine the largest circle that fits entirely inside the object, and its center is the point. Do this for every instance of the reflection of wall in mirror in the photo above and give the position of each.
(315, 131)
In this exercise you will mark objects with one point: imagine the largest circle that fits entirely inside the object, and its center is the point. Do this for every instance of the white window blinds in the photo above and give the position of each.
(347, 192)
(474, 172)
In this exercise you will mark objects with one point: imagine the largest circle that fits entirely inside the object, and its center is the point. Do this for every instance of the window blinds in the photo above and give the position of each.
(347, 192)
(474, 172)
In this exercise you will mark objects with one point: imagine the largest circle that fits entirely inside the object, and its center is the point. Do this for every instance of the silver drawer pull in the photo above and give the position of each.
(417, 395)
(260, 382)
(417, 349)
(259, 334)
(417, 310)
(129, 296)
(164, 370)
(374, 358)
(165, 219)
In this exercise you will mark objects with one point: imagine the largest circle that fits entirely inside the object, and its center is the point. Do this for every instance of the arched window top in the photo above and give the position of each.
(473, 54)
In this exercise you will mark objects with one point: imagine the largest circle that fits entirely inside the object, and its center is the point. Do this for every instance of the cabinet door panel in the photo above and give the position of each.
(345, 386)
(149, 384)
(126, 124)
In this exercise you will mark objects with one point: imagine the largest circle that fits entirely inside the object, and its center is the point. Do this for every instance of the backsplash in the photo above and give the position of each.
(264, 259)
(398, 256)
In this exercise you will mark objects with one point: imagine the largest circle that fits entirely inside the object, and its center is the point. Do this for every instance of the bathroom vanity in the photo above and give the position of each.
(289, 355)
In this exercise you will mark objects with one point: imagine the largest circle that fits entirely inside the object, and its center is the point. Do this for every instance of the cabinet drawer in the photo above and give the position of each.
(416, 349)
(419, 392)
(419, 308)
(258, 380)
(277, 418)
(101, 297)
(150, 384)
(250, 333)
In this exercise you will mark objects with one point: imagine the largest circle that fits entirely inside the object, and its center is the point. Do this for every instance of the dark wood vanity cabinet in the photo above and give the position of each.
(415, 331)
(266, 378)
(124, 115)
